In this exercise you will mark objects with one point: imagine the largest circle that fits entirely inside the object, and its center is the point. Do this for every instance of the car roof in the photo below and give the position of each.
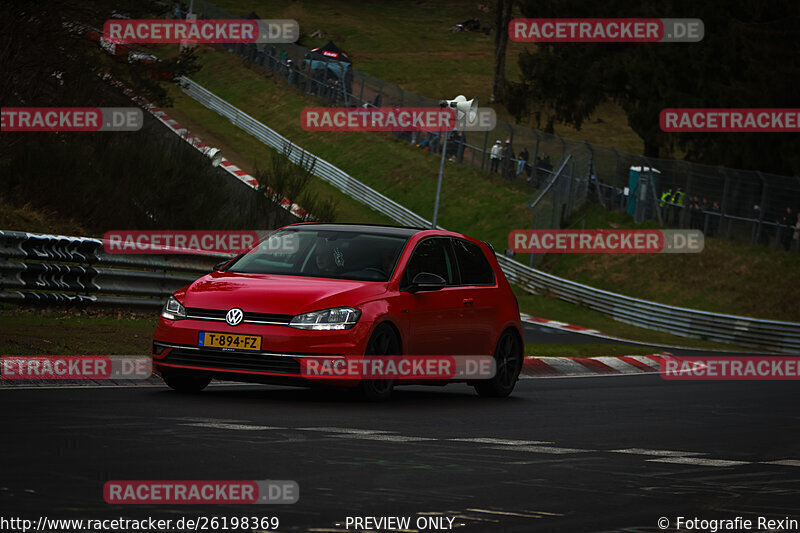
(372, 229)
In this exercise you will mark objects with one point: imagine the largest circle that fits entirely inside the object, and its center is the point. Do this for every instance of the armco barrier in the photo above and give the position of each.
(783, 336)
(36, 268)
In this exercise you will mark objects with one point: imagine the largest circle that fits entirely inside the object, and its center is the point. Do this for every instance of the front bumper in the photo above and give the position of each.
(175, 346)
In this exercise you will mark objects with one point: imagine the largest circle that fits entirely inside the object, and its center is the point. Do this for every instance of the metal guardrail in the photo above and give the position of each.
(37, 268)
(782, 336)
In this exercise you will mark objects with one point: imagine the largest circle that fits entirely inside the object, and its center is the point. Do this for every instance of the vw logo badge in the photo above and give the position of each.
(234, 316)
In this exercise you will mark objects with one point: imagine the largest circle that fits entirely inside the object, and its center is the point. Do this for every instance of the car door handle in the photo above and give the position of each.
(467, 301)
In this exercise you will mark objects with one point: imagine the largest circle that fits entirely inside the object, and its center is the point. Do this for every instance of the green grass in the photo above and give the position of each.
(410, 45)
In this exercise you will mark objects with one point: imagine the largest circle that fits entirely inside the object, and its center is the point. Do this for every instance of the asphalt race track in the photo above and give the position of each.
(564, 454)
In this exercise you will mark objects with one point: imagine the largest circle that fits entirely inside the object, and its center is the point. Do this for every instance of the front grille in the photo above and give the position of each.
(197, 313)
(233, 361)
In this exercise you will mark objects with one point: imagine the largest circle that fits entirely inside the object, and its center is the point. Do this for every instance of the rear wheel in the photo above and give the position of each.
(384, 341)
(508, 360)
(186, 382)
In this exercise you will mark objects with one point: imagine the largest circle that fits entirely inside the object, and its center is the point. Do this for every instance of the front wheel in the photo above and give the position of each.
(186, 382)
(508, 361)
(384, 341)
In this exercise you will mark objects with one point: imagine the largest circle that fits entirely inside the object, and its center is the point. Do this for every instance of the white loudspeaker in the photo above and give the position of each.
(464, 108)
(215, 156)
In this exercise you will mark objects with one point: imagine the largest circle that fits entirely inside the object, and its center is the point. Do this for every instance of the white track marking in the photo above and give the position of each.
(660, 453)
(541, 449)
(482, 440)
(347, 430)
(698, 461)
(783, 462)
(537, 514)
(234, 427)
(385, 438)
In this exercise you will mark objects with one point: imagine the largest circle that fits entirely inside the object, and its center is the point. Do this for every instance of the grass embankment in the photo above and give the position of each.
(33, 331)
(411, 45)
(726, 277)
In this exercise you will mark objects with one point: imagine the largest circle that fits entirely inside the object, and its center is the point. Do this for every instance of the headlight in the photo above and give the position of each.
(173, 310)
(327, 319)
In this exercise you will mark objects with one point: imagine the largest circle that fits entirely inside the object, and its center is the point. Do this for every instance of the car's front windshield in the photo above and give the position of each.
(324, 253)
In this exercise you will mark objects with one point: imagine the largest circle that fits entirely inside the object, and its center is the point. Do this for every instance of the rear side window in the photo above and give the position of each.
(475, 268)
(432, 256)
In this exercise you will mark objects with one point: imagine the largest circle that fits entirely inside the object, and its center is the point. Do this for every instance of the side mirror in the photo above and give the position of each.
(425, 281)
(221, 264)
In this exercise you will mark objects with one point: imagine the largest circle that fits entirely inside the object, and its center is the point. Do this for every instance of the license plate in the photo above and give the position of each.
(230, 340)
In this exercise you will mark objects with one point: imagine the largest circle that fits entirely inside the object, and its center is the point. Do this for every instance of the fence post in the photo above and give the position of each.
(531, 257)
(483, 155)
(685, 211)
(761, 207)
(724, 204)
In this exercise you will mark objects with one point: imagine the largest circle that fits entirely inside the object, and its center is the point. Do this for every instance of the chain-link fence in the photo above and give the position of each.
(746, 206)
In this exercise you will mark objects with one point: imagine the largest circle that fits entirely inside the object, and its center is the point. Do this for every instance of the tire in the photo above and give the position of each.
(508, 361)
(186, 382)
(384, 341)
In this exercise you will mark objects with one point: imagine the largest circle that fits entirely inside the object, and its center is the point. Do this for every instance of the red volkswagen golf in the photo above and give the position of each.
(311, 290)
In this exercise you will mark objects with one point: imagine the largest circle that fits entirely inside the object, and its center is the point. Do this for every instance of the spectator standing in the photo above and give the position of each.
(785, 227)
(522, 161)
(715, 218)
(796, 236)
(495, 155)
(509, 159)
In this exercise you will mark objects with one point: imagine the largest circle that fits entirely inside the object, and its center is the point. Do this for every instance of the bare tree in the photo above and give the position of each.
(501, 19)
